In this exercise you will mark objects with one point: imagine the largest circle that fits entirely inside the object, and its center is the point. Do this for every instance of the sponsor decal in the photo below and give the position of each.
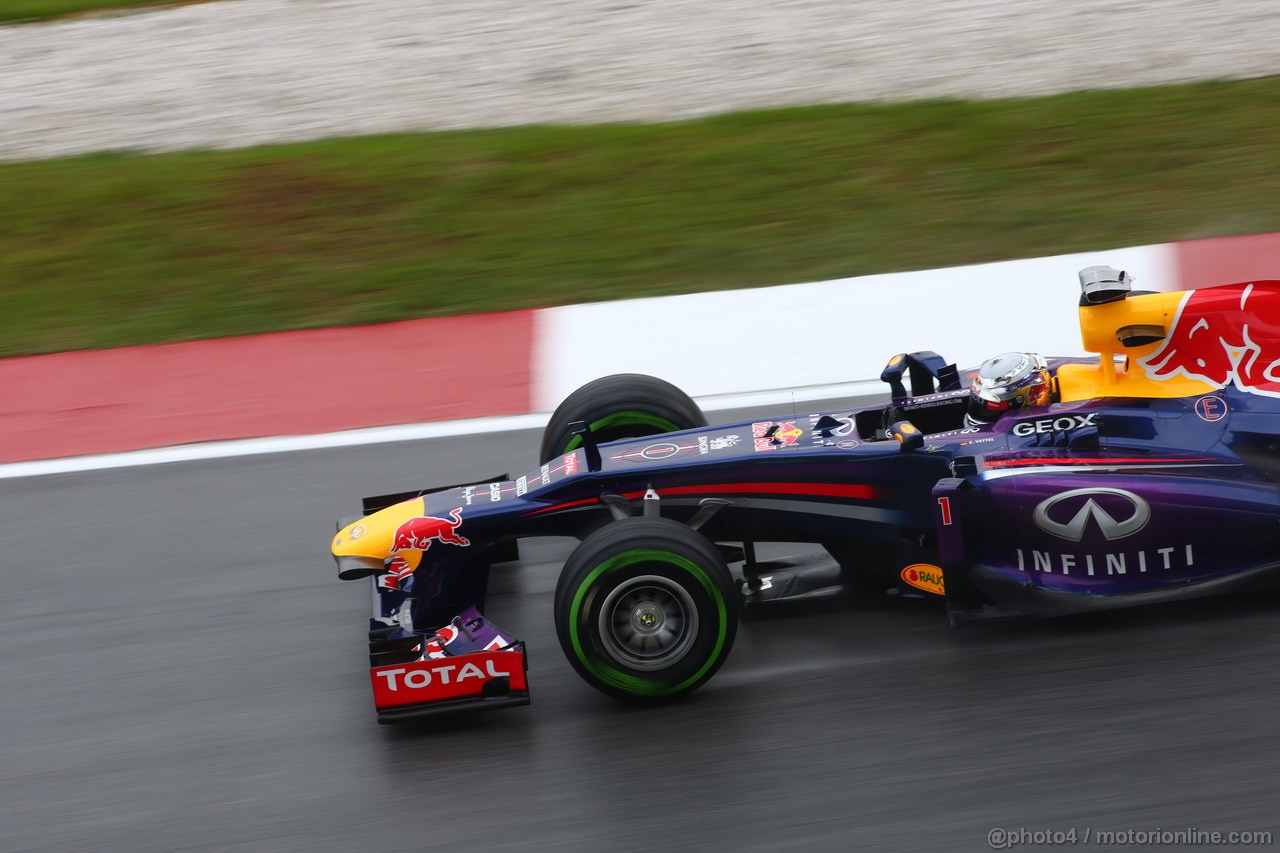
(544, 474)
(1222, 335)
(847, 444)
(953, 432)
(522, 486)
(1065, 423)
(1066, 515)
(658, 452)
(495, 492)
(417, 534)
(414, 678)
(925, 577)
(1211, 409)
(770, 436)
(437, 679)
(468, 494)
(357, 532)
(917, 403)
(1113, 563)
(1114, 514)
(704, 446)
(569, 463)
(724, 442)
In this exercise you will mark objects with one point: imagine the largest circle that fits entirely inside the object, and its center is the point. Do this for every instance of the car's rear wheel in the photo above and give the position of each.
(646, 609)
(625, 405)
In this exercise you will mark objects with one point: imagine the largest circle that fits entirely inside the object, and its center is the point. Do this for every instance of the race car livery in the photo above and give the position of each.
(1151, 476)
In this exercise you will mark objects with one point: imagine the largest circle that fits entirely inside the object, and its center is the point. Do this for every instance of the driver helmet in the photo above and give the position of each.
(1011, 380)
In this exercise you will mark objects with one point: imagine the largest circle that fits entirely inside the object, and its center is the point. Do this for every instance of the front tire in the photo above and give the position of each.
(646, 609)
(625, 405)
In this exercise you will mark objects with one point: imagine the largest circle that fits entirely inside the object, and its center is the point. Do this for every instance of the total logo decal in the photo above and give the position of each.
(441, 680)
(1222, 335)
(416, 679)
(1065, 423)
(1106, 513)
(769, 435)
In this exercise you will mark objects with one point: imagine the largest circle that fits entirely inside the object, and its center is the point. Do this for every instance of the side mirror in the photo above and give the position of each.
(1101, 284)
(907, 435)
(892, 374)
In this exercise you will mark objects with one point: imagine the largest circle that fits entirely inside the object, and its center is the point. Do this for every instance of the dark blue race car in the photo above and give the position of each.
(1028, 487)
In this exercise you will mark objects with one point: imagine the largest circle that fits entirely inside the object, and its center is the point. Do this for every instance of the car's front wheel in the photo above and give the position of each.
(646, 609)
(625, 405)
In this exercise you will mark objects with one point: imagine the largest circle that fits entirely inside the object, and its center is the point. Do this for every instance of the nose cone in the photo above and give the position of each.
(374, 535)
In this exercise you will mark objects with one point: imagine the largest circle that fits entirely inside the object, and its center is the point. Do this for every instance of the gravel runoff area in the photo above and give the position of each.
(246, 72)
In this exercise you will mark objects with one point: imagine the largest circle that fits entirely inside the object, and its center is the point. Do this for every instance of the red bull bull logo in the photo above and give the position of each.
(1224, 335)
(417, 534)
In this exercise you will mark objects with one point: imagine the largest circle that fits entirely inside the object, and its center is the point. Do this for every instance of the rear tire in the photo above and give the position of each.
(625, 405)
(646, 609)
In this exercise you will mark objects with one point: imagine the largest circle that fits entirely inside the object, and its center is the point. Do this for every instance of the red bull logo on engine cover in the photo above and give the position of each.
(1224, 335)
(417, 534)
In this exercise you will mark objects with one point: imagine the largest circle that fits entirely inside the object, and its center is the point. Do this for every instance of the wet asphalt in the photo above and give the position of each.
(183, 671)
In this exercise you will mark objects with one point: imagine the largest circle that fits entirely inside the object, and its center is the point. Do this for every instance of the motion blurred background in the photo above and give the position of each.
(182, 670)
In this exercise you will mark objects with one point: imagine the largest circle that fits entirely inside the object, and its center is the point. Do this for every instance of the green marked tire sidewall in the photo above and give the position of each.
(625, 419)
(624, 681)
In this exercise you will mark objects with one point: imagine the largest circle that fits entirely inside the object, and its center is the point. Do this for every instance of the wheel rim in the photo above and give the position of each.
(648, 622)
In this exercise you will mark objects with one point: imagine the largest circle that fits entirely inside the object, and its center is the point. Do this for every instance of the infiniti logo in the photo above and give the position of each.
(1074, 527)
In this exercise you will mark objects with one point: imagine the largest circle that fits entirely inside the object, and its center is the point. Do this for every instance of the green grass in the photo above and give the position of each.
(39, 10)
(123, 248)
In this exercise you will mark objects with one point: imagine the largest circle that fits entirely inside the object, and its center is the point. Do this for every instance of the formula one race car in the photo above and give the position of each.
(1146, 474)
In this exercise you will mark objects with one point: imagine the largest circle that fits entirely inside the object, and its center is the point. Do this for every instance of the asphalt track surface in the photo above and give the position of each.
(183, 671)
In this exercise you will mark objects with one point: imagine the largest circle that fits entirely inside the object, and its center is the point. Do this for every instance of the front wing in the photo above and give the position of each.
(484, 679)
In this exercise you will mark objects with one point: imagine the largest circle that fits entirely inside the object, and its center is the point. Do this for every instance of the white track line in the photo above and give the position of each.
(383, 435)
